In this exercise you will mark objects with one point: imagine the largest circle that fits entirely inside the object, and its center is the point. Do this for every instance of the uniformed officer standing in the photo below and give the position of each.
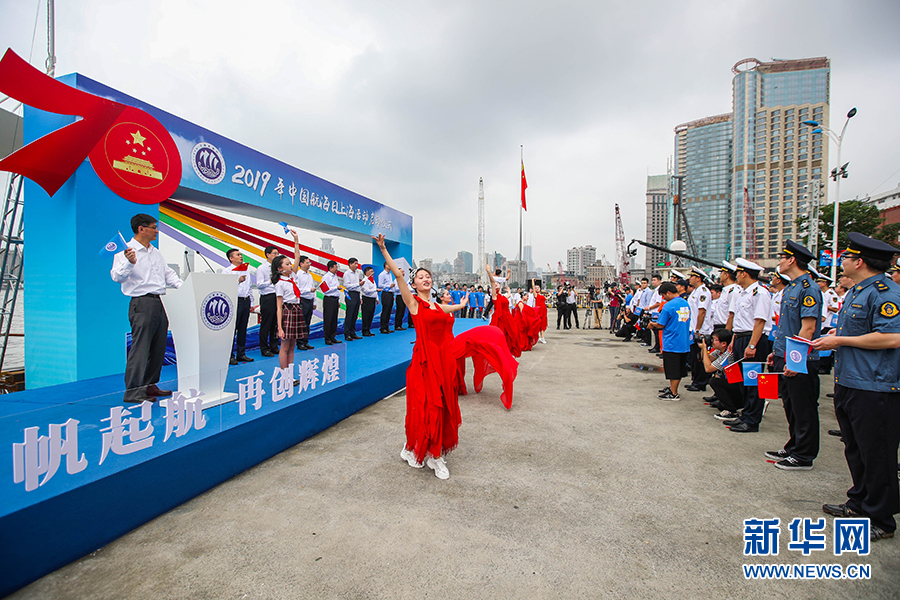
(867, 384)
(751, 314)
(700, 302)
(730, 289)
(799, 316)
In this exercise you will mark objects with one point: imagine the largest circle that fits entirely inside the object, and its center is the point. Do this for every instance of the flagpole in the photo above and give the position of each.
(521, 257)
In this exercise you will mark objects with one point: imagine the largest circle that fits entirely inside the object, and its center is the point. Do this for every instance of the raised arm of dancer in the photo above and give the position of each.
(493, 283)
(405, 292)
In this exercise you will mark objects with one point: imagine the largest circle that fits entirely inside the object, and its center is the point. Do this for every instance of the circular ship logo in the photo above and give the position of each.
(216, 311)
(208, 163)
(796, 356)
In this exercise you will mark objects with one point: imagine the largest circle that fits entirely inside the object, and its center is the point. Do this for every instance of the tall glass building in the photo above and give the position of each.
(775, 155)
(703, 163)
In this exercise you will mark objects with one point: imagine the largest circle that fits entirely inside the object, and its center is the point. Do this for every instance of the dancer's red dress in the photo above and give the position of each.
(432, 401)
(503, 319)
(490, 354)
(540, 305)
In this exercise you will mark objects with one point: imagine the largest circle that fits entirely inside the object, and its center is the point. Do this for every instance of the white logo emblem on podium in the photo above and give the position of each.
(216, 311)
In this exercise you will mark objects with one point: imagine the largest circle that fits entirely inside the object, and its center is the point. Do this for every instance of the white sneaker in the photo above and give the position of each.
(440, 467)
(542, 340)
(409, 457)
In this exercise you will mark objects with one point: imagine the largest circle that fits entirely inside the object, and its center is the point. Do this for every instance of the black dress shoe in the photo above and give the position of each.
(839, 510)
(244, 358)
(349, 339)
(710, 398)
(267, 354)
(335, 341)
(275, 351)
(357, 337)
(744, 428)
(877, 533)
(329, 343)
(835, 432)
(233, 361)
(732, 422)
(308, 346)
(399, 328)
(368, 334)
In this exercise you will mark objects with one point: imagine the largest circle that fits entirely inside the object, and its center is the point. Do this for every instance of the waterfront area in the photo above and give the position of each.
(590, 486)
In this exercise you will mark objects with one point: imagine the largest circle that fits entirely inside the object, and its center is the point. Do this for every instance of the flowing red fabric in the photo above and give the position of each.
(432, 401)
(503, 320)
(487, 347)
(540, 305)
(522, 329)
(532, 322)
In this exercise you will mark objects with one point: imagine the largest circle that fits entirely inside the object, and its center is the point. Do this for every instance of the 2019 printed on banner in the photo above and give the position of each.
(131, 152)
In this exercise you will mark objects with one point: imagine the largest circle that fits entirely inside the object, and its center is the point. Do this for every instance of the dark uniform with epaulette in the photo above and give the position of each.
(867, 393)
(801, 299)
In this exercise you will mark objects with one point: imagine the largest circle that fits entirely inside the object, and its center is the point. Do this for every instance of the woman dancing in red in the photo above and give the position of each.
(432, 400)
(503, 318)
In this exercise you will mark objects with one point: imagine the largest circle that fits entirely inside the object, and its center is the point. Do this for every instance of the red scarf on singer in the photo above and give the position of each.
(293, 283)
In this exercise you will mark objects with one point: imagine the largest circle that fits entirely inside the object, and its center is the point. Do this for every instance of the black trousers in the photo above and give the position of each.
(351, 300)
(753, 404)
(560, 315)
(613, 313)
(240, 326)
(268, 327)
(800, 395)
(729, 395)
(149, 328)
(870, 426)
(368, 313)
(699, 376)
(330, 306)
(308, 305)
(387, 305)
(401, 312)
(573, 310)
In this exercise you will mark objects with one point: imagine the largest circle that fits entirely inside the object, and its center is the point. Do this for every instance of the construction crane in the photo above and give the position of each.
(621, 251)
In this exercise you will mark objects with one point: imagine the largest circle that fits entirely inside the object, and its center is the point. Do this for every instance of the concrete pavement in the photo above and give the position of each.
(589, 487)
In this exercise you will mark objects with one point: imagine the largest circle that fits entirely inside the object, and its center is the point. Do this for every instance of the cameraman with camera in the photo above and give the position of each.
(728, 395)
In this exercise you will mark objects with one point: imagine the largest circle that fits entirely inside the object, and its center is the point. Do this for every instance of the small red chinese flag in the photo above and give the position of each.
(242, 267)
(324, 286)
(524, 186)
(733, 373)
(768, 386)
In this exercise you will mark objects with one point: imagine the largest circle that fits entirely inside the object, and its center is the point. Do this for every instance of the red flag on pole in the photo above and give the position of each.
(733, 373)
(768, 385)
(524, 186)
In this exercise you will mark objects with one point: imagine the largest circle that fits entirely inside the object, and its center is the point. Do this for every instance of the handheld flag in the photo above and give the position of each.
(117, 244)
(768, 386)
(285, 225)
(524, 186)
(241, 267)
(751, 372)
(795, 354)
(324, 285)
(733, 373)
(637, 311)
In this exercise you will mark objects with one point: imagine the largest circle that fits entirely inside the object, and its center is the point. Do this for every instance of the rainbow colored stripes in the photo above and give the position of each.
(212, 235)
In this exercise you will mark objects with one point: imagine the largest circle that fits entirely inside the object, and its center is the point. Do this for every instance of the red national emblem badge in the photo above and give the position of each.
(131, 152)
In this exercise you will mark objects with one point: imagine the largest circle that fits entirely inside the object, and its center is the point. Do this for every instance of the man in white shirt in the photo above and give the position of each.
(269, 344)
(386, 287)
(369, 300)
(351, 299)
(701, 325)
(751, 316)
(245, 299)
(144, 275)
(331, 301)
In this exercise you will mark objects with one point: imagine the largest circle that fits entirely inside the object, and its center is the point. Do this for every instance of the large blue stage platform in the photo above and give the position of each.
(77, 473)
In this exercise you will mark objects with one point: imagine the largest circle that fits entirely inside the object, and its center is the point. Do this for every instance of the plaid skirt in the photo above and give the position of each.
(292, 322)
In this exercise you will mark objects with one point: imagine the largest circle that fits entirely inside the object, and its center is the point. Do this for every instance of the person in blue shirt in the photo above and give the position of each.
(867, 384)
(479, 303)
(675, 322)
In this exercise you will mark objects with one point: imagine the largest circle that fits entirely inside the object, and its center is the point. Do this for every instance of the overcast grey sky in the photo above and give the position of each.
(410, 102)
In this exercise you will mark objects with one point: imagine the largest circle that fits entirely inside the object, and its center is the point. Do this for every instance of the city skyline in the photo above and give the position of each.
(412, 107)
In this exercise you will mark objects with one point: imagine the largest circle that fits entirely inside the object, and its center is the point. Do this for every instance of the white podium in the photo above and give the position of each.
(202, 315)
